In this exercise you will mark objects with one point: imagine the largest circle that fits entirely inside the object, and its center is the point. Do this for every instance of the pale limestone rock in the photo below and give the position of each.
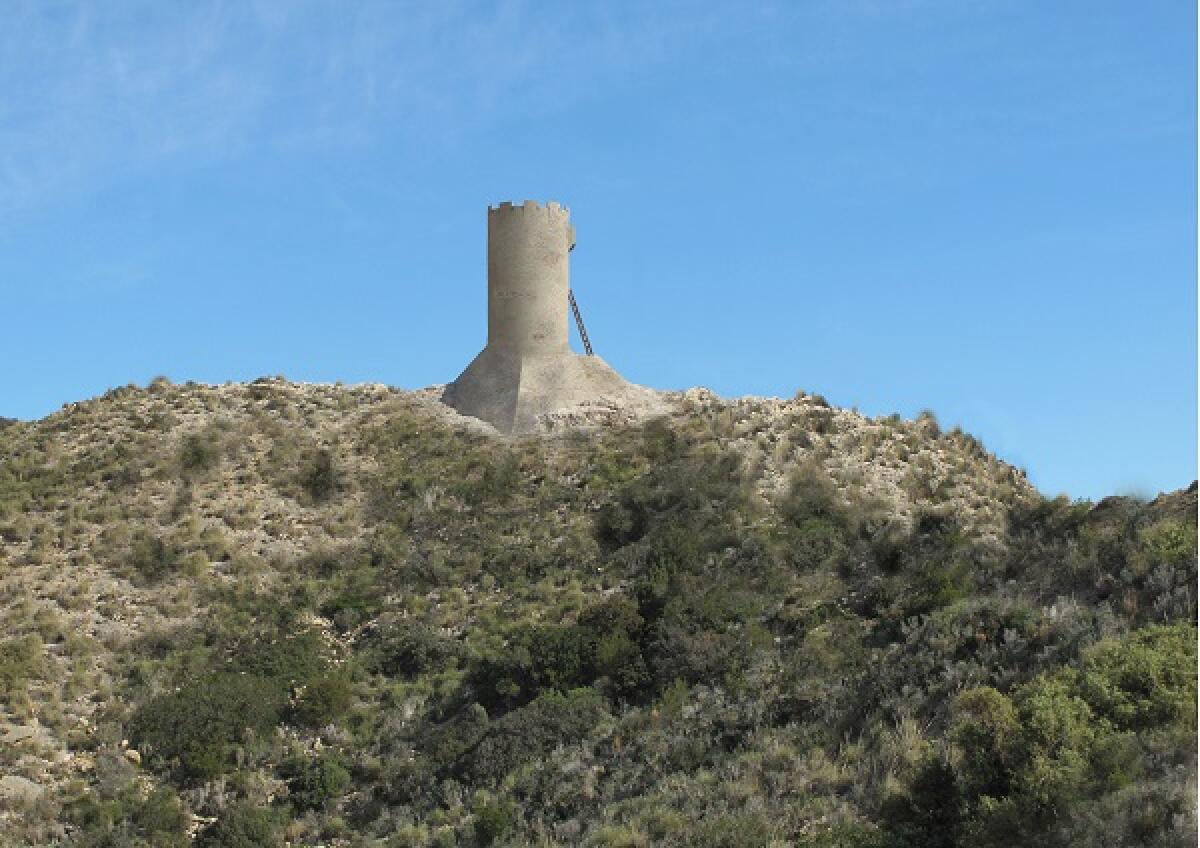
(16, 788)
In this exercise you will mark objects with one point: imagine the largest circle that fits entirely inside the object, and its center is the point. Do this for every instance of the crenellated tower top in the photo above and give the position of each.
(528, 276)
(529, 207)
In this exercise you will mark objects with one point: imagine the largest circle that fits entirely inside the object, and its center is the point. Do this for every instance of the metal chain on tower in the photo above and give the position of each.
(587, 345)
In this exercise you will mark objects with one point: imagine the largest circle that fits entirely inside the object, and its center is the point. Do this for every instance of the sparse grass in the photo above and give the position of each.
(22, 661)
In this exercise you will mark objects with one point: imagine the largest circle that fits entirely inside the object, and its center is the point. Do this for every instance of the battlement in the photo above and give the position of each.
(530, 207)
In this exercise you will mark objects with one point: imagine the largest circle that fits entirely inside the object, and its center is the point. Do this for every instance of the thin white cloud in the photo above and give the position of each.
(90, 91)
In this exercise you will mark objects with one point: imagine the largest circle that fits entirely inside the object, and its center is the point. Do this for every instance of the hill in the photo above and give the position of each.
(261, 613)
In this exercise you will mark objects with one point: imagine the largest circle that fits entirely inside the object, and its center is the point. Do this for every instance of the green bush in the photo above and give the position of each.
(692, 492)
(935, 564)
(495, 484)
(241, 825)
(1145, 680)
(812, 495)
(1169, 542)
(620, 668)
(319, 478)
(354, 596)
(1067, 737)
(819, 669)
(408, 649)
(313, 783)
(493, 819)
(816, 542)
(602, 647)
(1149, 814)
(528, 734)
(445, 745)
(199, 452)
(195, 731)
(153, 558)
(288, 656)
(1056, 757)
(162, 819)
(986, 731)
(699, 638)
(559, 657)
(1141, 555)
(935, 584)
(25, 481)
(930, 814)
(325, 699)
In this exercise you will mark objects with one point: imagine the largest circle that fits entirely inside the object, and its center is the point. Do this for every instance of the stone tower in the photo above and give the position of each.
(527, 368)
(528, 281)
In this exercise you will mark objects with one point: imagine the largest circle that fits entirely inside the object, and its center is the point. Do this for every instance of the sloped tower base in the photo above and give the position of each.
(510, 391)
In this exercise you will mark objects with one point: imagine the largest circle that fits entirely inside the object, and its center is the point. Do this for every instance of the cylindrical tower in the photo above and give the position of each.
(528, 280)
(526, 370)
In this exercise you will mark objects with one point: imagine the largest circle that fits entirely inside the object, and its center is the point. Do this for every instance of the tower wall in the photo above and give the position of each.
(528, 279)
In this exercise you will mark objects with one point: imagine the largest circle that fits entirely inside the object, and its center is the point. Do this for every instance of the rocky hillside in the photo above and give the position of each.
(277, 613)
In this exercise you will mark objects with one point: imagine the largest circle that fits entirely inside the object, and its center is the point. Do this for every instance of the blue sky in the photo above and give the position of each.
(987, 209)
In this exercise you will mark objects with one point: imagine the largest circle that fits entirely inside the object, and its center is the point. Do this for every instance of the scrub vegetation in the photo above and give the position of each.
(263, 614)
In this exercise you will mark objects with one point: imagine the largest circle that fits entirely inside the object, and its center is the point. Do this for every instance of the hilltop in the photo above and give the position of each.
(347, 615)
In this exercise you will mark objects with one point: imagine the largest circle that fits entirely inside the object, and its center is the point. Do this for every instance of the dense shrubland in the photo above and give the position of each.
(614, 638)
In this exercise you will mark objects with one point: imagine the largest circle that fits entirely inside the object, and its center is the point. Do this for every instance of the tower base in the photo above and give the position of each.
(510, 391)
